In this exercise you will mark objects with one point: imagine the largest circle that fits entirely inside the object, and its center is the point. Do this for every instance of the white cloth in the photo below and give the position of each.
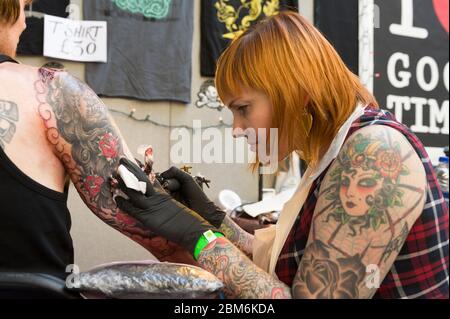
(269, 242)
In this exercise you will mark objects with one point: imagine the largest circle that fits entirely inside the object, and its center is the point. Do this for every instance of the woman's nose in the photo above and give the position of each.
(351, 190)
(238, 129)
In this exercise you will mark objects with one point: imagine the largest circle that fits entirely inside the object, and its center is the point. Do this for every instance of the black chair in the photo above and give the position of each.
(33, 286)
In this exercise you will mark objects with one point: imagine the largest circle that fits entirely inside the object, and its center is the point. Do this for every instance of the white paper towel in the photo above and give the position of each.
(131, 181)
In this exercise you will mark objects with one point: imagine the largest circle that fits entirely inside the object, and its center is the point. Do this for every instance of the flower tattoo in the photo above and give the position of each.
(322, 278)
(93, 185)
(109, 146)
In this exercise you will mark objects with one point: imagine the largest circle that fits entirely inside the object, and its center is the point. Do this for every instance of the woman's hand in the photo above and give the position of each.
(159, 212)
(193, 196)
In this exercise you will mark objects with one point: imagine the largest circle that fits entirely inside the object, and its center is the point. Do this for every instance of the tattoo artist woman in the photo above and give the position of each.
(369, 201)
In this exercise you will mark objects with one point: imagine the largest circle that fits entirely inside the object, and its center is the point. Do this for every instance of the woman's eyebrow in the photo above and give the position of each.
(237, 101)
(234, 104)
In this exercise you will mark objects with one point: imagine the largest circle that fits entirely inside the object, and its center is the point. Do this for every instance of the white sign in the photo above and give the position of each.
(84, 41)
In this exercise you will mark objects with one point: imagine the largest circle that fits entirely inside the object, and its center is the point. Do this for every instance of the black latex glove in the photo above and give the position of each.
(193, 196)
(160, 213)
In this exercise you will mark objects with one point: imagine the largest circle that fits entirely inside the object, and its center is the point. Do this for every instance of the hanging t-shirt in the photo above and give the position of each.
(32, 39)
(149, 49)
(224, 20)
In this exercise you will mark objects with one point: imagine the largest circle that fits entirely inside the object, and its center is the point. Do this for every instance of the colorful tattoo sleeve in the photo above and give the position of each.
(90, 146)
(241, 277)
(238, 236)
(368, 202)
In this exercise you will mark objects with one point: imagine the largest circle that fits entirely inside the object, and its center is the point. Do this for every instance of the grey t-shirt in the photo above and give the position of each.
(149, 49)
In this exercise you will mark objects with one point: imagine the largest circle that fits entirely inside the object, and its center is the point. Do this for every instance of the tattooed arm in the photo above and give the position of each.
(241, 277)
(90, 146)
(238, 236)
(368, 202)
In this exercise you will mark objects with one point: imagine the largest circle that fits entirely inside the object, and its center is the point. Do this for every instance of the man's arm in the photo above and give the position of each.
(89, 145)
(369, 200)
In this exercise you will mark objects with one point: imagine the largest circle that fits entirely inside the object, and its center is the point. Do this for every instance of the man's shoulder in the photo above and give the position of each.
(21, 73)
(18, 67)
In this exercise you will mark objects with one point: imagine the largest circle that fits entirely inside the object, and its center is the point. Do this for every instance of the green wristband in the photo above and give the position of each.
(207, 238)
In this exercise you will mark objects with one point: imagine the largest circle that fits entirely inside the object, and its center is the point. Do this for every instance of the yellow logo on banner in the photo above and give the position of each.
(249, 10)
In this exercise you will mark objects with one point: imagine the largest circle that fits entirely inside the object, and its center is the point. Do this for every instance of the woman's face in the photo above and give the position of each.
(11, 33)
(252, 110)
(357, 188)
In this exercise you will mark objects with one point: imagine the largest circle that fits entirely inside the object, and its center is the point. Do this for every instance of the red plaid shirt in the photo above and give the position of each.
(421, 268)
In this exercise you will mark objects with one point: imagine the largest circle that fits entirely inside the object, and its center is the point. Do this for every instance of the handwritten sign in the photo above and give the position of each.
(84, 41)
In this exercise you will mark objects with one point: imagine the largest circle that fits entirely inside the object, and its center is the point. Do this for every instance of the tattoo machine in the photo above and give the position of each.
(170, 185)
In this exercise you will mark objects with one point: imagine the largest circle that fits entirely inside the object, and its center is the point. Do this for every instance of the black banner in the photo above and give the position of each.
(32, 40)
(223, 20)
(411, 65)
(339, 24)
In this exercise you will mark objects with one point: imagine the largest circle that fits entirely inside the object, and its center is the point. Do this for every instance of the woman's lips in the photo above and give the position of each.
(350, 205)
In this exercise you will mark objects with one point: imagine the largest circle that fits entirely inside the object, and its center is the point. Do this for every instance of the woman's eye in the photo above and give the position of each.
(242, 110)
(346, 182)
(367, 182)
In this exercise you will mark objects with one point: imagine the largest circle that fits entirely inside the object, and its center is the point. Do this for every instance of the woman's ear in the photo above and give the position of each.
(306, 101)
